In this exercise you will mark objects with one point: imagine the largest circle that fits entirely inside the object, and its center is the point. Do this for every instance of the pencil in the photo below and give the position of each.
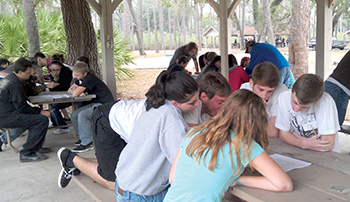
(317, 136)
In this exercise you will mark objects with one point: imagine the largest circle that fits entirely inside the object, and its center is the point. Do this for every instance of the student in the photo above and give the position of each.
(4, 64)
(238, 76)
(15, 112)
(213, 91)
(61, 77)
(180, 65)
(213, 66)
(264, 52)
(213, 155)
(41, 60)
(311, 113)
(81, 117)
(337, 85)
(111, 124)
(190, 50)
(265, 83)
(144, 164)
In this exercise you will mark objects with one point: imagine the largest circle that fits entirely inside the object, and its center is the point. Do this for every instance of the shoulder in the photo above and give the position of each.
(246, 86)
(325, 101)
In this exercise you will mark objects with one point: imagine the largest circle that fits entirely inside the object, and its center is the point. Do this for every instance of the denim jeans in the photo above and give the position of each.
(81, 119)
(14, 134)
(56, 116)
(340, 97)
(285, 77)
(132, 197)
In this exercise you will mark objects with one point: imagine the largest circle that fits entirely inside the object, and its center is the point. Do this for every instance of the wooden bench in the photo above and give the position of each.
(94, 190)
(7, 130)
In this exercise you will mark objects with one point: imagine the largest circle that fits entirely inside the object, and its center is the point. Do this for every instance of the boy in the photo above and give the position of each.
(81, 117)
(265, 83)
(311, 113)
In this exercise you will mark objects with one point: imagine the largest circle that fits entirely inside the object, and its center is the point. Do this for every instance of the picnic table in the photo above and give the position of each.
(53, 97)
(327, 179)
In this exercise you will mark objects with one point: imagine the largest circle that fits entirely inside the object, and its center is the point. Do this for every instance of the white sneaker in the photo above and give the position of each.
(61, 131)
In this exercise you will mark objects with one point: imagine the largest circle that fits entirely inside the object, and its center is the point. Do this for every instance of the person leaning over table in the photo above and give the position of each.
(61, 77)
(190, 50)
(15, 112)
(213, 155)
(30, 89)
(81, 117)
(213, 91)
(311, 113)
(265, 83)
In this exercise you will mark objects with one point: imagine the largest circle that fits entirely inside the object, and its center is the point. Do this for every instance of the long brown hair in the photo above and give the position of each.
(243, 113)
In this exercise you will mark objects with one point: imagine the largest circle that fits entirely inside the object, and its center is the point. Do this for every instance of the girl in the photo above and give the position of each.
(144, 165)
(214, 154)
(189, 50)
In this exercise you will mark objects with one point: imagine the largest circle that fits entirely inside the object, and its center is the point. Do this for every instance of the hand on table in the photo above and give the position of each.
(52, 85)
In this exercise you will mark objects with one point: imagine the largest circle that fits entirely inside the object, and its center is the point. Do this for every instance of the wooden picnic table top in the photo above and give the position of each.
(58, 97)
(327, 179)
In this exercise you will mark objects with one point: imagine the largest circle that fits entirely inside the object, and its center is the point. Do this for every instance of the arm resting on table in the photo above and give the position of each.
(273, 177)
(325, 143)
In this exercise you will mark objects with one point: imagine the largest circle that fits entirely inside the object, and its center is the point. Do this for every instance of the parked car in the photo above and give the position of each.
(335, 43)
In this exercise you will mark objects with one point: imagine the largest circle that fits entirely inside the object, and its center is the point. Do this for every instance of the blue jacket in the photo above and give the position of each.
(264, 52)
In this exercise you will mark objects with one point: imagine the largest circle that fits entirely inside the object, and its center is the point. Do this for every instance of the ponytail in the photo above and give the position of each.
(177, 86)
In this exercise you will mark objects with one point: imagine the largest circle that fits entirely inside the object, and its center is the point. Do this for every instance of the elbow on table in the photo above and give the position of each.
(285, 186)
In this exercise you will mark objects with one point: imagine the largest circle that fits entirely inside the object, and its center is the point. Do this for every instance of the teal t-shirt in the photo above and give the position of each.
(195, 182)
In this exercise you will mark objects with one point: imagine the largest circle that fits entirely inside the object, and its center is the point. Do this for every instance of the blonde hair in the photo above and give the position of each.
(244, 114)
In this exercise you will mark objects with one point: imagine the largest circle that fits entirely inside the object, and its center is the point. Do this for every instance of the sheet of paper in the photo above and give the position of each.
(288, 163)
(60, 96)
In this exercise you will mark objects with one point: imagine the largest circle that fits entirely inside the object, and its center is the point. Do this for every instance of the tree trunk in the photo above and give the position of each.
(149, 29)
(183, 23)
(155, 25)
(31, 27)
(242, 27)
(257, 23)
(200, 27)
(240, 32)
(268, 23)
(175, 28)
(141, 19)
(299, 35)
(136, 27)
(196, 22)
(335, 21)
(161, 22)
(169, 31)
(80, 34)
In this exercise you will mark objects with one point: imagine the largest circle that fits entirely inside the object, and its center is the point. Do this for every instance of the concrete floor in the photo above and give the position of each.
(37, 181)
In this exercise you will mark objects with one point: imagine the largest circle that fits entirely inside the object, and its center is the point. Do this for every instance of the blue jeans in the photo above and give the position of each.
(81, 120)
(285, 77)
(56, 116)
(132, 197)
(14, 134)
(340, 97)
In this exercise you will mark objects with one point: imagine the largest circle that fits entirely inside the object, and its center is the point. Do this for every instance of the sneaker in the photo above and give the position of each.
(76, 172)
(31, 157)
(77, 143)
(66, 173)
(44, 150)
(1, 145)
(84, 148)
(61, 131)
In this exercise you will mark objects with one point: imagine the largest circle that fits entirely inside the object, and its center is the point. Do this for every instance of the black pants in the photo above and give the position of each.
(36, 124)
(108, 144)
